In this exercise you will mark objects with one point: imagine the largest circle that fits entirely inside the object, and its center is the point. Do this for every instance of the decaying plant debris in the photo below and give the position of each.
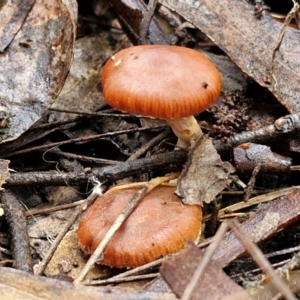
(62, 146)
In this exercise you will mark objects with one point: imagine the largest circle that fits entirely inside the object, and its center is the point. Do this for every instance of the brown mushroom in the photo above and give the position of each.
(166, 82)
(161, 224)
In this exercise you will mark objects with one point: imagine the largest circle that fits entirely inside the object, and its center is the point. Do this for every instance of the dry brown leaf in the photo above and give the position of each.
(249, 42)
(12, 16)
(205, 175)
(34, 66)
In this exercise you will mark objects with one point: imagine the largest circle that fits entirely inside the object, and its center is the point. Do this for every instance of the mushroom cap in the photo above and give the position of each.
(161, 224)
(167, 82)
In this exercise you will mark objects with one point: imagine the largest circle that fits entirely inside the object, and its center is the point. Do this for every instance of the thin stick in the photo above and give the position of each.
(292, 13)
(114, 280)
(146, 22)
(139, 195)
(260, 259)
(251, 183)
(133, 272)
(199, 272)
(148, 145)
(46, 210)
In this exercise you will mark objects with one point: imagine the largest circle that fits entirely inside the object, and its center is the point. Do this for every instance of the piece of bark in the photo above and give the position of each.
(247, 156)
(249, 42)
(16, 284)
(215, 284)
(34, 66)
(204, 175)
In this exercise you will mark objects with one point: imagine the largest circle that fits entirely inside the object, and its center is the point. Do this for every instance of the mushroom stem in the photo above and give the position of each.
(186, 129)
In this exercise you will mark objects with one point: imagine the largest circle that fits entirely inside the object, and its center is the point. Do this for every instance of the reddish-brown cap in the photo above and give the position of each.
(160, 224)
(167, 82)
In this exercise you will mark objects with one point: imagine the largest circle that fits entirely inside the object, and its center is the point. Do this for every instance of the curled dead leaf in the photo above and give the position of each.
(205, 175)
(35, 63)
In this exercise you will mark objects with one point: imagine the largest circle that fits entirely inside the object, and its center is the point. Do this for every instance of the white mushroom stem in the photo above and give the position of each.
(186, 129)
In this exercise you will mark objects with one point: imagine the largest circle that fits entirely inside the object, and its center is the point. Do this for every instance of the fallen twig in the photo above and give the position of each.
(15, 216)
(251, 183)
(165, 161)
(283, 127)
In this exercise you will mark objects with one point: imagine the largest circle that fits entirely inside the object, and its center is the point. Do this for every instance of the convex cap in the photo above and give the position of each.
(167, 82)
